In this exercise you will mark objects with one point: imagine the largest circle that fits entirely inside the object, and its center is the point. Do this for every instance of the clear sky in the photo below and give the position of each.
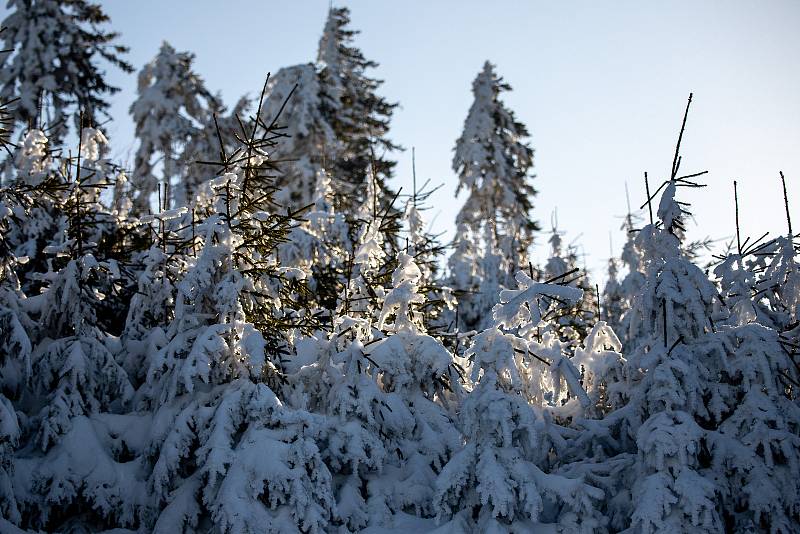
(600, 85)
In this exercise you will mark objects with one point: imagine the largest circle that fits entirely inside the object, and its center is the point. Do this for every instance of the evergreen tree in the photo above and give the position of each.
(216, 418)
(426, 251)
(57, 44)
(358, 115)
(421, 383)
(464, 275)
(613, 305)
(172, 107)
(780, 280)
(633, 281)
(574, 322)
(499, 482)
(493, 163)
(310, 144)
(15, 358)
(76, 389)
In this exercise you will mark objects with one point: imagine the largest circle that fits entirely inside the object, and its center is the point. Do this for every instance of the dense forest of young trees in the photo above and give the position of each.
(251, 330)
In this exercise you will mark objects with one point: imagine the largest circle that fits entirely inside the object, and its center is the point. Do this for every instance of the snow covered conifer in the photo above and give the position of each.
(751, 445)
(780, 281)
(15, 361)
(493, 163)
(422, 386)
(371, 249)
(464, 274)
(712, 384)
(57, 44)
(613, 303)
(677, 397)
(574, 322)
(633, 281)
(168, 112)
(76, 383)
(498, 481)
(426, 250)
(311, 144)
(150, 311)
(358, 114)
(224, 446)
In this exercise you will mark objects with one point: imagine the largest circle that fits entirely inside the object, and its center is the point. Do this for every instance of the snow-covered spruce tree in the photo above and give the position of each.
(152, 306)
(419, 377)
(426, 250)
(658, 444)
(358, 115)
(340, 209)
(574, 323)
(380, 380)
(705, 437)
(710, 397)
(779, 283)
(737, 275)
(352, 312)
(464, 276)
(493, 162)
(371, 253)
(310, 144)
(171, 107)
(72, 461)
(499, 482)
(321, 245)
(225, 449)
(15, 354)
(323, 241)
(633, 281)
(70, 474)
(391, 397)
(36, 192)
(759, 430)
(57, 44)
(675, 368)
(613, 301)
(43, 186)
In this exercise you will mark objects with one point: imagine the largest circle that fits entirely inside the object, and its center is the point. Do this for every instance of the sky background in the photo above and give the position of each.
(601, 86)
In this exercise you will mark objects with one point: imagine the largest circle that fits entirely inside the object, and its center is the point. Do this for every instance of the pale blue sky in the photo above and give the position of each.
(600, 85)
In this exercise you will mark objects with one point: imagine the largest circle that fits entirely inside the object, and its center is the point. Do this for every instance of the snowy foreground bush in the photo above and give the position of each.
(250, 331)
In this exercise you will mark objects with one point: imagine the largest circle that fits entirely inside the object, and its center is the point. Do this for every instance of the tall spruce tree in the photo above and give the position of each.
(358, 114)
(172, 107)
(493, 162)
(57, 45)
(310, 144)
